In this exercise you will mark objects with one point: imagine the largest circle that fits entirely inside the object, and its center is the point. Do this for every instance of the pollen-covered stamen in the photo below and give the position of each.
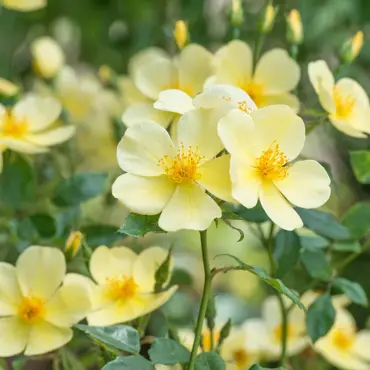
(273, 163)
(184, 166)
(121, 287)
(31, 308)
(243, 106)
(13, 127)
(344, 104)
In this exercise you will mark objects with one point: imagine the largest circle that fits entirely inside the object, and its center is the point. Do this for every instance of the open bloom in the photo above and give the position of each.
(345, 101)
(169, 82)
(168, 177)
(262, 146)
(125, 284)
(38, 303)
(339, 301)
(344, 346)
(276, 74)
(24, 5)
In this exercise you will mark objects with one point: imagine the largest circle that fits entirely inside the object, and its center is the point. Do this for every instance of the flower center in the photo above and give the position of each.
(255, 92)
(241, 358)
(31, 308)
(273, 163)
(344, 104)
(184, 166)
(243, 106)
(206, 339)
(278, 332)
(13, 127)
(343, 339)
(121, 288)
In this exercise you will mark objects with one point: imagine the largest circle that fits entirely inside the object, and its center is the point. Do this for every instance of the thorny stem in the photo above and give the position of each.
(204, 301)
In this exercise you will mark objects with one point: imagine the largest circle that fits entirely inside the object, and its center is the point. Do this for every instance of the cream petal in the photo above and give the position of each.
(143, 195)
(198, 128)
(24, 5)
(145, 267)
(278, 208)
(142, 146)
(271, 312)
(195, 65)
(10, 294)
(14, 336)
(234, 63)
(286, 99)
(307, 184)
(351, 88)
(153, 76)
(40, 271)
(131, 94)
(45, 337)
(105, 263)
(21, 146)
(215, 177)
(278, 124)
(69, 305)
(359, 119)
(256, 333)
(345, 127)
(246, 183)
(189, 208)
(141, 112)
(175, 101)
(39, 112)
(236, 132)
(52, 137)
(362, 344)
(277, 72)
(145, 56)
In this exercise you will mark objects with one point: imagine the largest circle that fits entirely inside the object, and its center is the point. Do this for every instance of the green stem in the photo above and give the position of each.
(258, 48)
(143, 323)
(204, 301)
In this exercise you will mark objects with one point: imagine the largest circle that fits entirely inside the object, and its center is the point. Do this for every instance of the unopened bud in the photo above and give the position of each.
(295, 27)
(237, 13)
(7, 88)
(352, 47)
(268, 18)
(181, 34)
(73, 243)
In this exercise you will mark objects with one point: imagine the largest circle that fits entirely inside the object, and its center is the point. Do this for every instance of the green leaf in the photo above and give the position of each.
(209, 361)
(96, 235)
(162, 274)
(79, 188)
(121, 337)
(350, 246)
(129, 363)
(258, 367)
(316, 263)
(308, 241)
(225, 332)
(17, 181)
(357, 220)
(323, 223)
(275, 283)
(181, 277)
(360, 161)
(354, 291)
(168, 352)
(256, 214)
(139, 225)
(286, 251)
(44, 224)
(320, 317)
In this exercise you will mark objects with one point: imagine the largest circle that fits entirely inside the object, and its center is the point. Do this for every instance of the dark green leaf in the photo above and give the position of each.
(79, 188)
(139, 225)
(163, 272)
(275, 283)
(209, 361)
(17, 181)
(256, 214)
(129, 363)
(121, 337)
(225, 332)
(258, 367)
(308, 241)
(350, 246)
(323, 223)
(316, 263)
(320, 317)
(168, 352)
(181, 277)
(211, 312)
(360, 161)
(357, 220)
(45, 225)
(354, 291)
(158, 325)
(286, 251)
(96, 235)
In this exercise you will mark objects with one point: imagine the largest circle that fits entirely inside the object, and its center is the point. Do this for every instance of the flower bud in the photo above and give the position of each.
(7, 88)
(73, 244)
(268, 18)
(24, 5)
(237, 13)
(352, 47)
(181, 34)
(48, 57)
(295, 27)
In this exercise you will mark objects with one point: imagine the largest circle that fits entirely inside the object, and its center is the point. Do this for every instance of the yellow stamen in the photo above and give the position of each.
(241, 358)
(273, 163)
(243, 106)
(206, 339)
(184, 166)
(344, 104)
(343, 339)
(121, 287)
(13, 127)
(31, 308)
